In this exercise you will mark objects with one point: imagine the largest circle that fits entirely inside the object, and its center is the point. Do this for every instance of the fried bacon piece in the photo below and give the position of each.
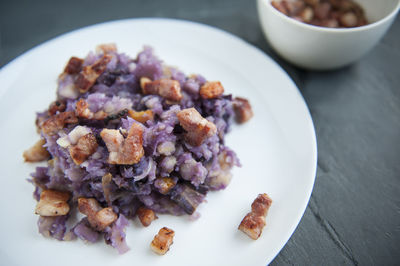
(74, 65)
(242, 110)
(211, 90)
(89, 74)
(99, 218)
(141, 116)
(252, 225)
(56, 106)
(167, 88)
(37, 152)
(106, 48)
(52, 203)
(73, 136)
(57, 122)
(86, 146)
(124, 151)
(254, 222)
(83, 111)
(261, 205)
(146, 216)
(198, 128)
(162, 241)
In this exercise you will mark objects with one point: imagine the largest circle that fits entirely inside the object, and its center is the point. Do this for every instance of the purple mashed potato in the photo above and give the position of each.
(194, 171)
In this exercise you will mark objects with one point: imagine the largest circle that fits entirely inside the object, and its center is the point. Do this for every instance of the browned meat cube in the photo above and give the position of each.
(254, 222)
(162, 241)
(261, 204)
(74, 65)
(211, 90)
(122, 150)
(99, 218)
(198, 128)
(146, 216)
(252, 225)
(37, 152)
(52, 203)
(167, 88)
(86, 146)
(242, 109)
(57, 122)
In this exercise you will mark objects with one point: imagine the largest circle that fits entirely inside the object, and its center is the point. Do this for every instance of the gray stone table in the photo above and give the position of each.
(354, 213)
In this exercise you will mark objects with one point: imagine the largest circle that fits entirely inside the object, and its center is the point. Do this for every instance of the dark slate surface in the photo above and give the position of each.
(354, 213)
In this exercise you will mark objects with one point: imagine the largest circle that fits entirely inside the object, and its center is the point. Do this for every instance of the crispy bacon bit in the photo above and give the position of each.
(83, 111)
(198, 128)
(37, 152)
(167, 88)
(99, 218)
(103, 218)
(57, 106)
(261, 205)
(106, 48)
(85, 147)
(162, 241)
(242, 109)
(252, 225)
(146, 216)
(57, 122)
(73, 136)
(89, 74)
(88, 206)
(124, 151)
(211, 90)
(74, 65)
(254, 222)
(165, 184)
(142, 116)
(52, 203)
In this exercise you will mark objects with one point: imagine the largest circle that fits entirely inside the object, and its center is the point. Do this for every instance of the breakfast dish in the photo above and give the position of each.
(126, 137)
(324, 13)
(277, 148)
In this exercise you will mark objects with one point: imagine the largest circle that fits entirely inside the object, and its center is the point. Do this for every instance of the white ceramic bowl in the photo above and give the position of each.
(321, 48)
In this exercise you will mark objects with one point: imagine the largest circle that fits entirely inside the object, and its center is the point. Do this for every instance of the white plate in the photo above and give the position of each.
(277, 149)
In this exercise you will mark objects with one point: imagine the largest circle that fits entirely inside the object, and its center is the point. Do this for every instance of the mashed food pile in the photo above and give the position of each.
(128, 134)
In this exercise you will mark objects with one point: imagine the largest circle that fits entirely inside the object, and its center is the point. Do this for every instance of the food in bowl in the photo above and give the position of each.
(324, 13)
(129, 137)
(322, 48)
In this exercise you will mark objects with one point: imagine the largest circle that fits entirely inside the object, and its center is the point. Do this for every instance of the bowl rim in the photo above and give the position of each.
(333, 30)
